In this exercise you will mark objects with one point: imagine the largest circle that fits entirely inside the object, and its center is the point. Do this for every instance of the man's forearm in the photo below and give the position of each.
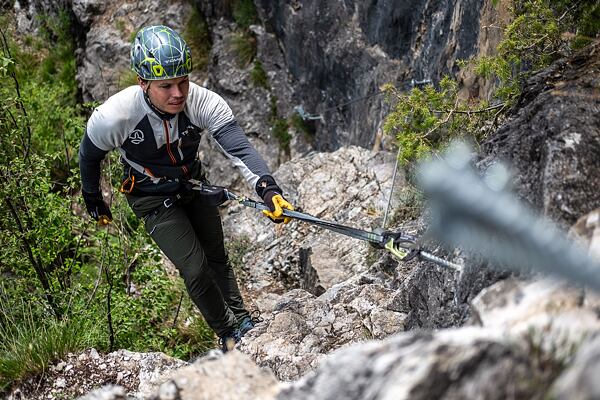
(90, 158)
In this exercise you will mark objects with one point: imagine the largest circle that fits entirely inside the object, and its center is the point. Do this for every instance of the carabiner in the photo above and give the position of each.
(129, 181)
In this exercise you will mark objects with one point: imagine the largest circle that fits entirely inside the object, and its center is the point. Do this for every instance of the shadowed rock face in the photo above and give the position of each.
(553, 140)
(368, 43)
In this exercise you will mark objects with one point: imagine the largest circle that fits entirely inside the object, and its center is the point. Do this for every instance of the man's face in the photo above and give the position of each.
(168, 95)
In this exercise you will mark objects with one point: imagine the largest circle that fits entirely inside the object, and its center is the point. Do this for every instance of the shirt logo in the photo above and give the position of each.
(188, 129)
(136, 136)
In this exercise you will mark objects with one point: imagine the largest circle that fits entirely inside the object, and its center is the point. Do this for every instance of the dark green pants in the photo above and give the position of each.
(191, 236)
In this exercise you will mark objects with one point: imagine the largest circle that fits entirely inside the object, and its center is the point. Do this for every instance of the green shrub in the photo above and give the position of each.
(280, 131)
(588, 24)
(68, 279)
(244, 13)
(145, 320)
(426, 119)
(280, 127)
(298, 123)
(57, 44)
(198, 38)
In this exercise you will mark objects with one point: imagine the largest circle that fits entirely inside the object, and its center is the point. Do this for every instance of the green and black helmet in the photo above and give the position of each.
(158, 52)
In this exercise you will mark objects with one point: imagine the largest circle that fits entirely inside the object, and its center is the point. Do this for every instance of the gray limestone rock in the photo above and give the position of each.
(580, 379)
(350, 186)
(231, 377)
(302, 329)
(369, 43)
(31, 14)
(552, 143)
(108, 392)
(86, 11)
(104, 66)
(460, 364)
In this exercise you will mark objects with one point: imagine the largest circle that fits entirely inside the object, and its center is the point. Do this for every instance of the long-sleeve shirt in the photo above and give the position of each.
(160, 152)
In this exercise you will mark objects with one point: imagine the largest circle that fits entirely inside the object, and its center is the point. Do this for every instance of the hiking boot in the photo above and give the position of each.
(246, 325)
(229, 341)
(249, 322)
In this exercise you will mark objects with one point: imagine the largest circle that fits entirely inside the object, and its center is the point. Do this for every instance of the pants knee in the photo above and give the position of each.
(195, 274)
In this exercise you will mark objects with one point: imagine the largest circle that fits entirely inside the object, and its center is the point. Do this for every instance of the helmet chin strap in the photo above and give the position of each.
(165, 116)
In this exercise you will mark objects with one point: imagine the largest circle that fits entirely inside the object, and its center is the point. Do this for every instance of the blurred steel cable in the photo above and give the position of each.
(482, 217)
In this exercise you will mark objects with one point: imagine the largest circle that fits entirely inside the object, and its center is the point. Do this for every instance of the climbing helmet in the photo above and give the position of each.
(158, 52)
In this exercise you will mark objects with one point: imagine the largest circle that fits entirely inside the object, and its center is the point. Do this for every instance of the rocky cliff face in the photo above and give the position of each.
(310, 50)
(321, 293)
(522, 339)
(553, 140)
(369, 43)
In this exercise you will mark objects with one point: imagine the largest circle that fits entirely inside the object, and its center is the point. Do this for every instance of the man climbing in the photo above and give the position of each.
(156, 126)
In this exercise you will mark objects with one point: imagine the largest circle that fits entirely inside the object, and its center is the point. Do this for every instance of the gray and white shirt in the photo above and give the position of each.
(160, 152)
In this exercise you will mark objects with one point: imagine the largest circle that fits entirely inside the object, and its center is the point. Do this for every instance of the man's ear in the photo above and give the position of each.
(143, 83)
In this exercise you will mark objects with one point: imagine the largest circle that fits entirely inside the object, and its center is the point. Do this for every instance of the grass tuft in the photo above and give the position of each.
(244, 13)
(258, 76)
(244, 46)
(197, 37)
(29, 344)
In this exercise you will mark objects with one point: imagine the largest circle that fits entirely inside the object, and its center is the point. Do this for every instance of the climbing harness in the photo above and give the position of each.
(402, 246)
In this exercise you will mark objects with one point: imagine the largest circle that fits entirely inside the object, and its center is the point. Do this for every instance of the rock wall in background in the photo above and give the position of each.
(369, 43)
(310, 50)
(552, 142)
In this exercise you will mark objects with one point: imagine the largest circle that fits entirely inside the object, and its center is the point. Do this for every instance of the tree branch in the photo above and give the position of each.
(39, 270)
(20, 103)
(490, 108)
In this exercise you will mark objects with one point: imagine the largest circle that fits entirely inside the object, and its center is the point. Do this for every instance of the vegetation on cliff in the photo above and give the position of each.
(66, 283)
(541, 31)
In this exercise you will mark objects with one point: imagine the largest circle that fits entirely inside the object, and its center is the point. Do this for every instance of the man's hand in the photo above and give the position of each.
(276, 203)
(97, 208)
(270, 192)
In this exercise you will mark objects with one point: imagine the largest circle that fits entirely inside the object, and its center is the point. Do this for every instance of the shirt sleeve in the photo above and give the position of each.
(90, 157)
(235, 145)
(106, 130)
(106, 127)
(210, 111)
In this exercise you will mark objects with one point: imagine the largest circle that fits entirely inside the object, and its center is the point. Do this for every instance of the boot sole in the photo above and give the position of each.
(228, 344)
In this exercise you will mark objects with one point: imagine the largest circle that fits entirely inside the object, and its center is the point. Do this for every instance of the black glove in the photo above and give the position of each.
(267, 188)
(97, 208)
(265, 184)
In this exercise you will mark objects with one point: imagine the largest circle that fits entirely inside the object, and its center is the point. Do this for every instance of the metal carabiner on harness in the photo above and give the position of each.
(168, 202)
(129, 181)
